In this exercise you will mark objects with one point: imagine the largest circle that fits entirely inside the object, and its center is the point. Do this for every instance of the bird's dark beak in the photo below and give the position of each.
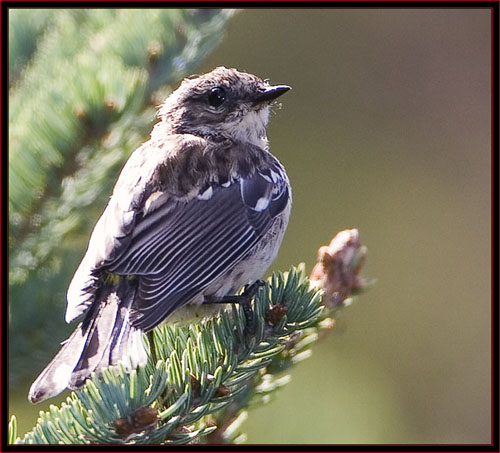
(271, 93)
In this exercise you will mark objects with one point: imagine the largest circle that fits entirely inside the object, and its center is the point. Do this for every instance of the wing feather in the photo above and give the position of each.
(182, 254)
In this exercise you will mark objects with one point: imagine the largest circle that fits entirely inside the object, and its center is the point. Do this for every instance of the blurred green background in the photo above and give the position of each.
(387, 130)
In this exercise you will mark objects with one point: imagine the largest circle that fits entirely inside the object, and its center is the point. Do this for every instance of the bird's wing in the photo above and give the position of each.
(181, 247)
(177, 246)
(112, 232)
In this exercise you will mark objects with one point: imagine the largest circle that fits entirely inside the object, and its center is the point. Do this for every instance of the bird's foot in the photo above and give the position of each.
(244, 299)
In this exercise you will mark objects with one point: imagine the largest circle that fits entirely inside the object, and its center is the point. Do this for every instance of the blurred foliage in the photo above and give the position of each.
(25, 27)
(83, 84)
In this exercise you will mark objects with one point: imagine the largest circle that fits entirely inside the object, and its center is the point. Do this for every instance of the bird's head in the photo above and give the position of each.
(224, 102)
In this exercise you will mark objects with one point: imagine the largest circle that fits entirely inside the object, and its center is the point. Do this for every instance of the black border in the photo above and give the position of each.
(493, 5)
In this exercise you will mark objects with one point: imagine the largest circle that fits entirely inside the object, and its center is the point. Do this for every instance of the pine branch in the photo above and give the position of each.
(207, 373)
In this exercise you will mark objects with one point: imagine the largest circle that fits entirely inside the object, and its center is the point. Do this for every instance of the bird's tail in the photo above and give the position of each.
(104, 337)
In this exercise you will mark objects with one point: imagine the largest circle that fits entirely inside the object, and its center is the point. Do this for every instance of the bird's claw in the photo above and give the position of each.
(248, 294)
(251, 290)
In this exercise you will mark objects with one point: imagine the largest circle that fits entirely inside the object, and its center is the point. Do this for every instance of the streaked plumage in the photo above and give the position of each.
(198, 211)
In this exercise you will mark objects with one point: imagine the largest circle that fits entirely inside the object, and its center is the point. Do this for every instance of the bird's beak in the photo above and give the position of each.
(271, 93)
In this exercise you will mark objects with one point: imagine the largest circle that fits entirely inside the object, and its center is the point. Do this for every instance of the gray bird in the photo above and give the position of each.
(197, 212)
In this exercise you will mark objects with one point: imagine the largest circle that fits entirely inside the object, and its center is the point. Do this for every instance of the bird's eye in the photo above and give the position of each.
(216, 97)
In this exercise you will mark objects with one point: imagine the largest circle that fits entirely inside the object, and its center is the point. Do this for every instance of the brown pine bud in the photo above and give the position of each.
(222, 390)
(143, 417)
(137, 421)
(195, 384)
(123, 428)
(275, 313)
(338, 267)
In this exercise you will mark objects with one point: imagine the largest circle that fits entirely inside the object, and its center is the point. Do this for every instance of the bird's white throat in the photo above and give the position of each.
(251, 128)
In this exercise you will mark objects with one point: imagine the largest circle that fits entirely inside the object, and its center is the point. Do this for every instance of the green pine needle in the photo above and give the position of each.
(207, 373)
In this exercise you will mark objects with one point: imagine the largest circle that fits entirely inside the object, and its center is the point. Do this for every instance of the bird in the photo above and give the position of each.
(198, 212)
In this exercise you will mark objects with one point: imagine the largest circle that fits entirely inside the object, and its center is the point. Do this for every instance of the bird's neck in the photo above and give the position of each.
(251, 129)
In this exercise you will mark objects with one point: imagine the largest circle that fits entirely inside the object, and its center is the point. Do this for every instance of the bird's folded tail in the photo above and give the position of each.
(105, 337)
